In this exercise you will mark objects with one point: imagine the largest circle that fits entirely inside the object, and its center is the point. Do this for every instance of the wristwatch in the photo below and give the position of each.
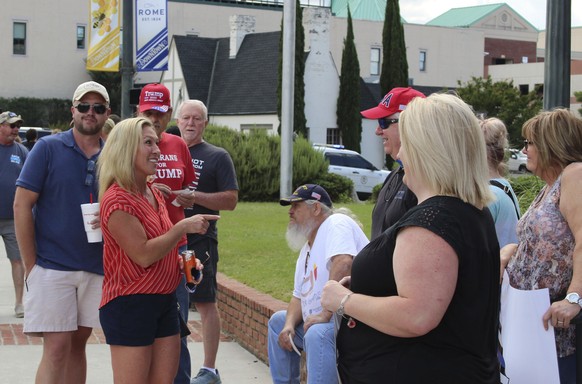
(573, 298)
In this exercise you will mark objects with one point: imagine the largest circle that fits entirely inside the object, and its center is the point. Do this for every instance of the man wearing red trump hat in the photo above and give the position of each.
(394, 199)
(174, 177)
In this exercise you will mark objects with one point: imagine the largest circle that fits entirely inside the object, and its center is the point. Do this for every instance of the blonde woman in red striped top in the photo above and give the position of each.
(138, 312)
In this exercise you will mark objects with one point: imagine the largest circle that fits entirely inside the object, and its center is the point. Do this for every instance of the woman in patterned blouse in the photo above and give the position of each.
(549, 253)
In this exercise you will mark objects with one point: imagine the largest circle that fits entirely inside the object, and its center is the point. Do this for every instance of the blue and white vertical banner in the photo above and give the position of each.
(151, 35)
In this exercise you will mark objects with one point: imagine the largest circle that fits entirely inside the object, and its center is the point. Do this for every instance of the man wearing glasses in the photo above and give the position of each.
(394, 199)
(12, 156)
(64, 272)
(216, 190)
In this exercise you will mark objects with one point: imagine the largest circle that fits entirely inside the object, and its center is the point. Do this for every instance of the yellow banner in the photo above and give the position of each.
(104, 36)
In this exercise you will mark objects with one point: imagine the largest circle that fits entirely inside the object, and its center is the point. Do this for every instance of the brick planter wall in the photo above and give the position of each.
(244, 313)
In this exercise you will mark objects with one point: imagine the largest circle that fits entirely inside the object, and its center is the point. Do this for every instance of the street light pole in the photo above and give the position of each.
(557, 56)
(127, 59)
(287, 97)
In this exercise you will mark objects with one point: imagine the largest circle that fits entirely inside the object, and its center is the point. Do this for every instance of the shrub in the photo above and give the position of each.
(256, 156)
(375, 192)
(340, 188)
(53, 113)
(526, 188)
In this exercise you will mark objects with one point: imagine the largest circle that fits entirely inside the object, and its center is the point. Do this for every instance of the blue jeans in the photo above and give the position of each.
(318, 344)
(184, 368)
(567, 367)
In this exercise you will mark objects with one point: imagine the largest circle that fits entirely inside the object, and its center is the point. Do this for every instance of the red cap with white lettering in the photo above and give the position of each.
(154, 96)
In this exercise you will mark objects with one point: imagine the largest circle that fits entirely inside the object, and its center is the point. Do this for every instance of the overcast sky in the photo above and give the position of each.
(534, 11)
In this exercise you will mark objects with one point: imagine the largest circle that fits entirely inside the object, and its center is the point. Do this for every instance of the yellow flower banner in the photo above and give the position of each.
(104, 36)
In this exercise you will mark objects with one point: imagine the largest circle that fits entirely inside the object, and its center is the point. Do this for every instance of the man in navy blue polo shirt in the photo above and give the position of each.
(64, 272)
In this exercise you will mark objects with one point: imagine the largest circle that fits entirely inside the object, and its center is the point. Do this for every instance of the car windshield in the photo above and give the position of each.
(349, 160)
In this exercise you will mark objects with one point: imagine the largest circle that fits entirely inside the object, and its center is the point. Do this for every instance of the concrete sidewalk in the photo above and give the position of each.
(20, 355)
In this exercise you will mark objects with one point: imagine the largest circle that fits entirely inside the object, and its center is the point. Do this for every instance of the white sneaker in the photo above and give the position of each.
(19, 311)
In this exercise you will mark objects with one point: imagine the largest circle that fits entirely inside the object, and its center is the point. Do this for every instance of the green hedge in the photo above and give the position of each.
(256, 156)
(47, 113)
(526, 188)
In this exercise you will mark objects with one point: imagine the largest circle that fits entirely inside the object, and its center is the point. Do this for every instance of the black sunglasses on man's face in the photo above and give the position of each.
(97, 108)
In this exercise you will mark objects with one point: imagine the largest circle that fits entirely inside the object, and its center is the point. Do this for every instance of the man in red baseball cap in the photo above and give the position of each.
(174, 177)
(394, 198)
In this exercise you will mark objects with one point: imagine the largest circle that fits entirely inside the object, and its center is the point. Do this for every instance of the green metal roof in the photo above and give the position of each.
(373, 10)
(468, 16)
(464, 17)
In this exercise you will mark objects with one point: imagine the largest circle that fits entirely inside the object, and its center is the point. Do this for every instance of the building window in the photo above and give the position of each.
(19, 38)
(80, 37)
(524, 89)
(422, 61)
(375, 61)
(255, 127)
(501, 60)
(333, 136)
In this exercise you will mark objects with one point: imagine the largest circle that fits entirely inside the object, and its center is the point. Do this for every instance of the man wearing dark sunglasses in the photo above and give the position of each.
(12, 157)
(64, 272)
(394, 199)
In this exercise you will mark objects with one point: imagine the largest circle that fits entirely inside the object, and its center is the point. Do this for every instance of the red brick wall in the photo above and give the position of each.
(511, 49)
(244, 313)
(508, 49)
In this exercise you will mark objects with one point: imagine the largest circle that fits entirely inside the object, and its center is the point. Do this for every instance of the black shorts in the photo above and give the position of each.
(137, 320)
(206, 250)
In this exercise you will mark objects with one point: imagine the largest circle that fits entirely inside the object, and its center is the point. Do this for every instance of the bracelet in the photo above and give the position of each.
(341, 311)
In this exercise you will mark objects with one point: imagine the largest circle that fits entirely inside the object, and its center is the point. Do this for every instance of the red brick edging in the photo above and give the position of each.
(244, 313)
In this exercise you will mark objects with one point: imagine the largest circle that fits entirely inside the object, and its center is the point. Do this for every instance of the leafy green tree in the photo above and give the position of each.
(349, 120)
(394, 62)
(112, 82)
(299, 120)
(502, 100)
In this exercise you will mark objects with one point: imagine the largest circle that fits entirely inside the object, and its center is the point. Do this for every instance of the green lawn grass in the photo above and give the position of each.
(253, 249)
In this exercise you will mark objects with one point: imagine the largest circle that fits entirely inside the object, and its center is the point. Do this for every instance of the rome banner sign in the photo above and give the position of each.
(151, 34)
(104, 36)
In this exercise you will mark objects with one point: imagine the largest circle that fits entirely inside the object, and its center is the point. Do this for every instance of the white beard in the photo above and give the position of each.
(297, 235)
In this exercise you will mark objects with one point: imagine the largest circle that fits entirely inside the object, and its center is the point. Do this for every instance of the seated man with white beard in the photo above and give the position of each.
(328, 239)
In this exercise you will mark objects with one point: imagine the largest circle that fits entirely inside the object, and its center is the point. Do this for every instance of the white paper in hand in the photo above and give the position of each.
(293, 344)
(180, 192)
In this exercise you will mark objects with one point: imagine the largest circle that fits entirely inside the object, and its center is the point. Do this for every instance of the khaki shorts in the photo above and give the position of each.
(61, 301)
(9, 236)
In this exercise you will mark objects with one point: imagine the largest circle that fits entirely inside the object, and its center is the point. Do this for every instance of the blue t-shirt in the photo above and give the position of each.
(11, 162)
(64, 178)
(504, 213)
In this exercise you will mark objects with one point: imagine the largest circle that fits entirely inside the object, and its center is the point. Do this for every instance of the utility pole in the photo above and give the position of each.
(287, 97)
(557, 56)
(127, 58)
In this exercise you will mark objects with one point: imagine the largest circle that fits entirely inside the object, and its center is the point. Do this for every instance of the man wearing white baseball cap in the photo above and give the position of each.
(64, 272)
(394, 199)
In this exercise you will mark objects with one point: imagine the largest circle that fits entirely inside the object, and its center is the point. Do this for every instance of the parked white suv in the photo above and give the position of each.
(517, 161)
(353, 166)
